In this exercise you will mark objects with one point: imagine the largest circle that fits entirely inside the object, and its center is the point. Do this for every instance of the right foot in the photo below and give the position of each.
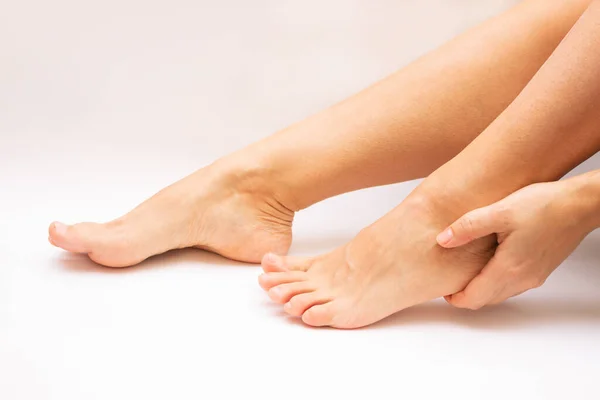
(230, 211)
(389, 266)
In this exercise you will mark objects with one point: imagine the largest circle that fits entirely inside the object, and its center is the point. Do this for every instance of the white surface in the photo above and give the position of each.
(103, 103)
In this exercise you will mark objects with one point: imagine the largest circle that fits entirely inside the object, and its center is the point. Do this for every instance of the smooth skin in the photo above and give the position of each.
(537, 228)
(404, 127)
(551, 127)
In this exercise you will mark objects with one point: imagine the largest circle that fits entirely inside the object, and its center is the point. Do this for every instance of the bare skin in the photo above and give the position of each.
(221, 208)
(537, 227)
(551, 127)
(402, 128)
(391, 265)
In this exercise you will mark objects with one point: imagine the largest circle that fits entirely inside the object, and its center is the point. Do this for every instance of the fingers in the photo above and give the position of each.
(473, 225)
(470, 301)
(497, 282)
(483, 289)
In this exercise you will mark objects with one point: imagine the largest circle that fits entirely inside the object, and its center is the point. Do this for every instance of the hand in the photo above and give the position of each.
(537, 228)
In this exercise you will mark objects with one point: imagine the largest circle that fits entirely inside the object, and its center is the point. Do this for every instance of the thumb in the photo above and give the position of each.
(473, 225)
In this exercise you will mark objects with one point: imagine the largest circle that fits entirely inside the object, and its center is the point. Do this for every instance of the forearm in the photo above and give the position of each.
(551, 127)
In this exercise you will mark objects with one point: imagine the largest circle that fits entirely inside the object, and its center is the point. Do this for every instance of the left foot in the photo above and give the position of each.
(228, 208)
(389, 266)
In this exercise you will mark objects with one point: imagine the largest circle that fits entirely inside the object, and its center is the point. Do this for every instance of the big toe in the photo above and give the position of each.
(114, 244)
(69, 237)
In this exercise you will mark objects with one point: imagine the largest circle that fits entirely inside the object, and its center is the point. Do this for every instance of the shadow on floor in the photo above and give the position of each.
(566, 306)
(517, 313)
(79, 263)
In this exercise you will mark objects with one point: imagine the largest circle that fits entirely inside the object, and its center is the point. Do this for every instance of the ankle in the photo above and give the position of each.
(254, 176)
(439, 204)
(436, 211)
(453, 194)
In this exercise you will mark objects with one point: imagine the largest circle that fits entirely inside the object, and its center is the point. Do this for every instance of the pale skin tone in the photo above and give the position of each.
(537, 228)
(404, 127)
(547, 130)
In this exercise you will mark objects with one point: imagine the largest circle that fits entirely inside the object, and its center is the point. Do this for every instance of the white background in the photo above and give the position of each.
(103, 103)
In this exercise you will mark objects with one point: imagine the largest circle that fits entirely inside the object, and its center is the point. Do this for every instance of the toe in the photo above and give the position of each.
(113, 244)
(274, 263)
(283, 293)
(272, 279)
(51, 241)
(68, 237)
(302, 302)
(320, 315)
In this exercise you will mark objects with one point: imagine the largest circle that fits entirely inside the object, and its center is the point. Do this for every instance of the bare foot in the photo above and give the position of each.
(230, 211)
(391, 265)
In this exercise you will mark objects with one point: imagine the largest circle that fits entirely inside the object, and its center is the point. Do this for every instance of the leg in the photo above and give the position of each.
(551, 127)
(409, 124)
(401, 128)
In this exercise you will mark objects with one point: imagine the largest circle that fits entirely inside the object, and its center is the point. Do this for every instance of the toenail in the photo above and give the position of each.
(287, 306)
(60, 229)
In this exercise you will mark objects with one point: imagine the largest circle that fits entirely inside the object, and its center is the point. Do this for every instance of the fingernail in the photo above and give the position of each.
(61, 229)
(445, 237)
